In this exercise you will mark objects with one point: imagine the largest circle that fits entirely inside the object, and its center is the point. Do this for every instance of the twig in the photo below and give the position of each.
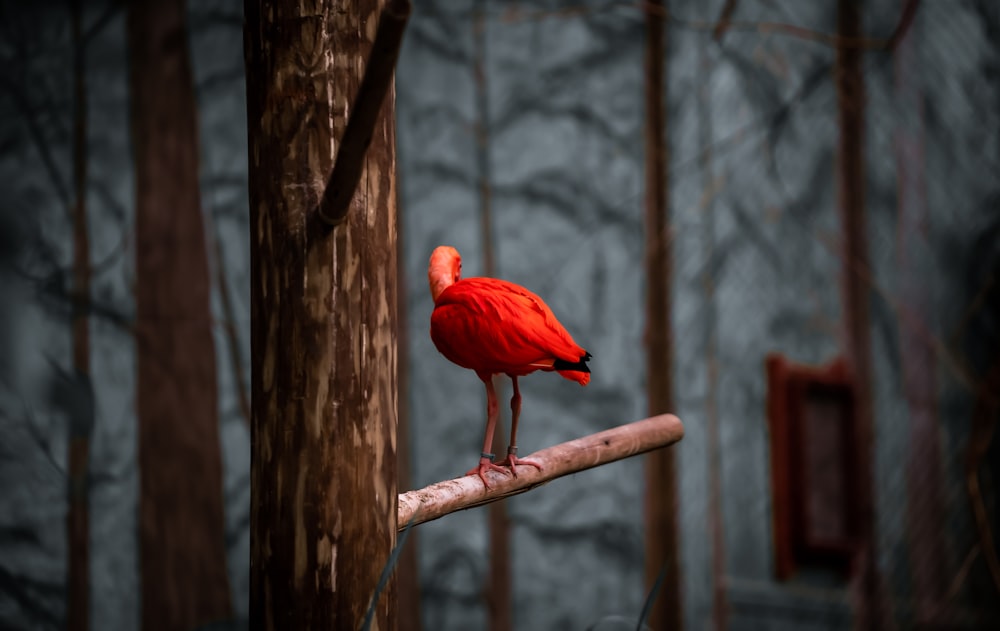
(961, 575)
(723, 24)
(905, 20)
(833, 40)
(37, 134)
(332, 208)
(229, 326)
(439, 499)
(107, 15)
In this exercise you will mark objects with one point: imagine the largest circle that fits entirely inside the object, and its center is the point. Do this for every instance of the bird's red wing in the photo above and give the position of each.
(494, 325)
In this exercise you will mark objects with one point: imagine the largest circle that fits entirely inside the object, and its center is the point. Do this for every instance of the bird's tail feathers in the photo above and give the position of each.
(583, 378)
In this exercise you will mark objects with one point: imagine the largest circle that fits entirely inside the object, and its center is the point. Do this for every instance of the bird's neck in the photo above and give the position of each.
(440, 279)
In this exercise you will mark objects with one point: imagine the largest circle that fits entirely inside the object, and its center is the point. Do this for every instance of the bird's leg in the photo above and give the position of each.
(515, 411)
(492, 413)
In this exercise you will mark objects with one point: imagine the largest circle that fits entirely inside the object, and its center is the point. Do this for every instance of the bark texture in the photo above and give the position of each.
(624, 441)
(323, 311)
(182, 556)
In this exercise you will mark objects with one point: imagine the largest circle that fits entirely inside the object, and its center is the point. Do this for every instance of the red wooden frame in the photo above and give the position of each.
(798, 541)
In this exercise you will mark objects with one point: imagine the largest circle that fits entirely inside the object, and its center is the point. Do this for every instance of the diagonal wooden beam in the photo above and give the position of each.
(346, 172)
(442, 498)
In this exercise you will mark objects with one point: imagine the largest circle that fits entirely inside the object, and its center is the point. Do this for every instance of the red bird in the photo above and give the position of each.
(493, 326)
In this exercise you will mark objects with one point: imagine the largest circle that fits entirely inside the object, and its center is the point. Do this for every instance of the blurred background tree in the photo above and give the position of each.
(184, 578)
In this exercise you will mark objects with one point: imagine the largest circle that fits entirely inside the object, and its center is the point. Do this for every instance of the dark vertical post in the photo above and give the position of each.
(323, 324)
(661, 476)
(856, 292)
(78, 517)
(925, 503)
(716, 526)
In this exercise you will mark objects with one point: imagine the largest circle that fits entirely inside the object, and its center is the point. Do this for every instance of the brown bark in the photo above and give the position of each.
(78, 516)
(856, 299)
(323, 323)
(181, 524)
(662, 552)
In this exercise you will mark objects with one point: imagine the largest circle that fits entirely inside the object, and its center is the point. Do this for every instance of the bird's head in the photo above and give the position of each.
(445, 269)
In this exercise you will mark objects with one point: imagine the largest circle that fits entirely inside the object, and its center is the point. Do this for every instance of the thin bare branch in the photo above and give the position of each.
(107, 15)
(724, 18)
(229, 326)
(440, 499)
(724, 24)
(38, 137)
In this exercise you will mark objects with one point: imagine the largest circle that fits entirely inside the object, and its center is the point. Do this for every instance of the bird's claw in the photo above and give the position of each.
(511, 462)
(485, 464)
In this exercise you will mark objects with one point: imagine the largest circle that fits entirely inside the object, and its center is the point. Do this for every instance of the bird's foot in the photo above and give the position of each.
(511, 461)
(486, 464)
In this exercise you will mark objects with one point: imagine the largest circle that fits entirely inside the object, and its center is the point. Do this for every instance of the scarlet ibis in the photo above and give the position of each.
(493, 326)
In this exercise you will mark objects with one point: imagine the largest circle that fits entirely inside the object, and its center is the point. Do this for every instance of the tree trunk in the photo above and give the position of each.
(323, 322)
(181, 525)
(716, 524)
(78, 516)
(856, 289)
(925, 505)
(661, 478)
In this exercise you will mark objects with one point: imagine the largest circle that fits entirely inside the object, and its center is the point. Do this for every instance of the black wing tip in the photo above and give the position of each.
(580, 366)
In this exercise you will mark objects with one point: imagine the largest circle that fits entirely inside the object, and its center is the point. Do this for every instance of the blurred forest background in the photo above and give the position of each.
(521, 142)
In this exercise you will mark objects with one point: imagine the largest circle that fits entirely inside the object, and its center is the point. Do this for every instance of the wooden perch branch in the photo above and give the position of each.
(449, 496)
(346, 172)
